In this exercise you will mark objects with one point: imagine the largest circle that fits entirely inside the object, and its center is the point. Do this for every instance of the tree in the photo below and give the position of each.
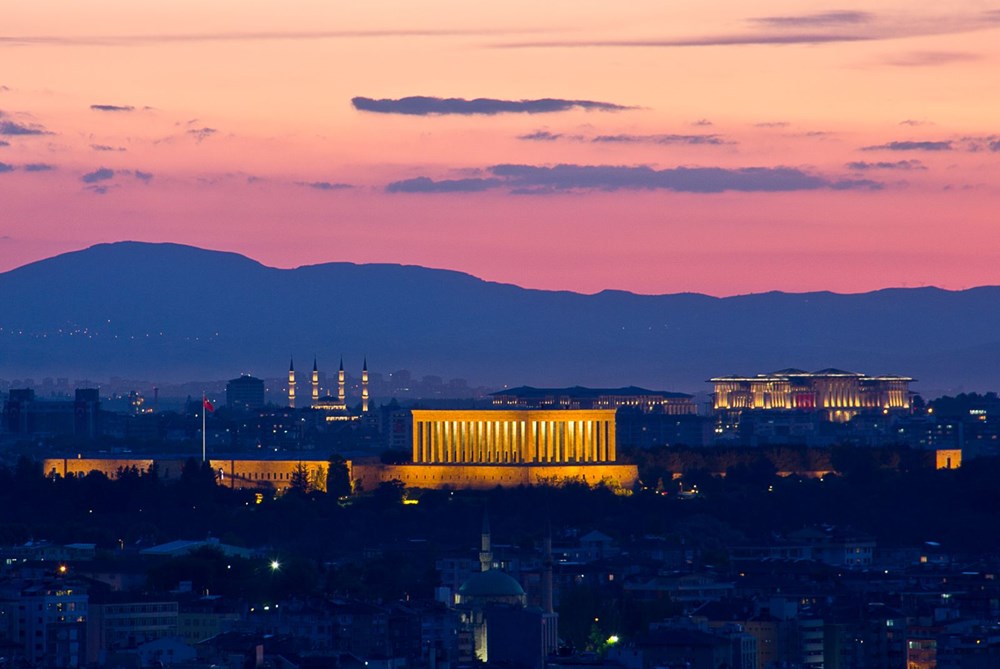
(299, 480)
(338, 478)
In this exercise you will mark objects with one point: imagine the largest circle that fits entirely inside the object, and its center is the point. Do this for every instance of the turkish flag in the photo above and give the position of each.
(208, 405)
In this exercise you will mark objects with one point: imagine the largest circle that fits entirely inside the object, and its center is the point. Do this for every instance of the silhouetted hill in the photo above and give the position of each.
(171, 312)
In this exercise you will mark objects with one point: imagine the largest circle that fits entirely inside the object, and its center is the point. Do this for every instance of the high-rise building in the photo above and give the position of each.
(245, 393)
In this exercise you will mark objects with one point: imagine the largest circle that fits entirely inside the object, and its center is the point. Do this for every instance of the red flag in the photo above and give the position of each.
(208, 405)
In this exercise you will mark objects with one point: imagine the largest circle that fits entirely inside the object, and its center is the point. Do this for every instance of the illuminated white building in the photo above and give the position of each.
(841, 394)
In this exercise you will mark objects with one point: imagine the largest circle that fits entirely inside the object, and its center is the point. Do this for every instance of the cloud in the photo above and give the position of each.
(324, 185)
(546, 136)
(711, 40)
(772, 124)
(911, 146)
(660, 139)
(201, 134)
(420, 105)
(832, 18)
(531, 179)
(931, 58)
(263, 36)
(427, 185)
(813, 29)
(100, 174)
(702, 122)
(4, 143)
(4, 167)
(105, 147)
(12, 128)
(39, 167)
(145, 177)
(541, 136)
(113, 108)
(897, 165)
(97, 190)
(995, 145)
(914, 122)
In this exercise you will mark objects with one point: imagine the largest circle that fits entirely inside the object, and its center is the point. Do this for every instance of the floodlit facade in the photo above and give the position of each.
(514, 437)
(842, 395)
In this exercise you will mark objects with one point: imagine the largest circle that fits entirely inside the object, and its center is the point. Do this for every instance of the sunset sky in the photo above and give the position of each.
(659, 147)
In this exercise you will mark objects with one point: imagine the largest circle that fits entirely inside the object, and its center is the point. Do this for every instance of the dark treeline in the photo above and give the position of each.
(876, 492)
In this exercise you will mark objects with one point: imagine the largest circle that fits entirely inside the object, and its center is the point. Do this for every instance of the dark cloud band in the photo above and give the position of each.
(911, 146)
(419, 105)
(531, 179)
(112, 108)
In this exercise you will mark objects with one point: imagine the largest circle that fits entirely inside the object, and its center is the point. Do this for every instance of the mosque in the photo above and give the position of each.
(492, 600)
(334, 407)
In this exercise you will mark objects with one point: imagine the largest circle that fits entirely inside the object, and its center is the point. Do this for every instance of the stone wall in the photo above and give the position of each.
(369, 476)
(277, 474)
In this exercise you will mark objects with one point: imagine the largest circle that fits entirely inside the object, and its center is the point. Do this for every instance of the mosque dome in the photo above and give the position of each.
(491, 585)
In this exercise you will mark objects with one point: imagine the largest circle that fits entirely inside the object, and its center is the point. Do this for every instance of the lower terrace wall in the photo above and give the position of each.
(277, 474)
(369, 476)
(269, 474)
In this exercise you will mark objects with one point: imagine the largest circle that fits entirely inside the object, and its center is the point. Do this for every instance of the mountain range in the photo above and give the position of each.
(167, 312)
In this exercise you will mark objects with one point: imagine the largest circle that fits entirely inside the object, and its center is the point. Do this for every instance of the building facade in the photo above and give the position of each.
(578, 397)
(245, 393)
(841, 395)
(513, 437)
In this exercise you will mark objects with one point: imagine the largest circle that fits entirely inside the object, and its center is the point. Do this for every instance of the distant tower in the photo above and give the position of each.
(364, 387)
(485, 554)
(547, 573)
(315, 382)
(291, 383)
(340, 381)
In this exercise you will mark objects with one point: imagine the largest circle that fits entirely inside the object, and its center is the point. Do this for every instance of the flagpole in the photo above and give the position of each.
(204, 410)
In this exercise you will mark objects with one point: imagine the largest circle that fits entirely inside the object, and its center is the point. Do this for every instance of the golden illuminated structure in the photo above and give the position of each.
(948, 458)
(291, 383)
(514, 437)
(340, 380)
(578, 397)
(842, 395)
(364, 387)
(315, 383)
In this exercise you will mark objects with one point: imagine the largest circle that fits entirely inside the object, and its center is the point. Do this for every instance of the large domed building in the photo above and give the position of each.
(490, 601)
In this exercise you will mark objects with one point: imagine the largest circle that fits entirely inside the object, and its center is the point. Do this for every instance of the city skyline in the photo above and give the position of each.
(717, 148)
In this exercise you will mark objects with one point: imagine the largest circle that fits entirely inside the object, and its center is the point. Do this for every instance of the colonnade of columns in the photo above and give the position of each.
(513, 437)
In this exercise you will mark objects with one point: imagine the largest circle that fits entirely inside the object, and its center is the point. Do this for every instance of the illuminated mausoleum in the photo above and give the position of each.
(514, 437)
(842, 395)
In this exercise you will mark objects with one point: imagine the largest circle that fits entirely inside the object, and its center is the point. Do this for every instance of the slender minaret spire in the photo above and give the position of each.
(364, 387)
(315, 382)
(340, 381)
(291, 383)
(485, 554)
(547, 573)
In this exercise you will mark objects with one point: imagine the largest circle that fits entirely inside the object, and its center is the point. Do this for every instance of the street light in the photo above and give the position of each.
(275, 565)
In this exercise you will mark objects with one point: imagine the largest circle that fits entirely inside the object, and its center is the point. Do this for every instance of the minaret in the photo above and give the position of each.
(291, 383)
(340, 381)
(485, 554)
(547, 573)
(364, 387)
(315, 382)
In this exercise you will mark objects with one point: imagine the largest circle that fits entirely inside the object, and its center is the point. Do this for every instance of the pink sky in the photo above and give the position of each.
(869, 131)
